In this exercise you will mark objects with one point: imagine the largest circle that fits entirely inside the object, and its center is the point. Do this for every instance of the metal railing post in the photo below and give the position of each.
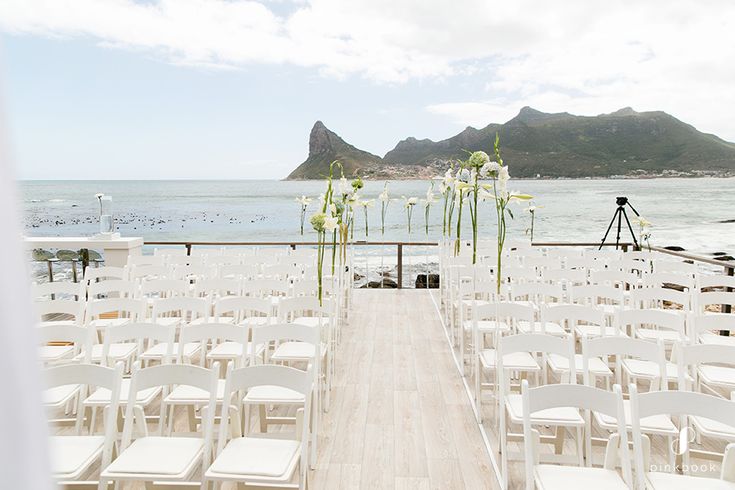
(188, 249)
(400, 265)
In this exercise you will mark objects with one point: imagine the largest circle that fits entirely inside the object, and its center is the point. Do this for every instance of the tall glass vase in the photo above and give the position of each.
(107, 222)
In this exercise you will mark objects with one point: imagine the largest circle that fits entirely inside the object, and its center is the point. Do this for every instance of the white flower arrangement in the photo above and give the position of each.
(304, 201)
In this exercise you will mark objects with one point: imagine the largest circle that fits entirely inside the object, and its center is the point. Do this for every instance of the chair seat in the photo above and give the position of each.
(47, 323)
(272, 394)
(563, 477)
(668, 336)
(640, 368)
(521, 361)
(257, 457)
(713, 428)
(166, 456)
(231, 350)
(211, 319)
(108, 322)
(311, 321)
(718, 375)
(118, 352)
(487, 326)
(59, 395)
(592, 331)
(101, 397)
(713, 338)
(655, 424)
(559, 363)
(566, 416)
(550, 328)
(50, 353)
(257, 321)
(159, 350)
(296, 351)
(72, 455)
(675, 481)
(168, 321)
(186, 394)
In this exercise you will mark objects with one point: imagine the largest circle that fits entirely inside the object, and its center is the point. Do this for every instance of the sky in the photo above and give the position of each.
(229, 89)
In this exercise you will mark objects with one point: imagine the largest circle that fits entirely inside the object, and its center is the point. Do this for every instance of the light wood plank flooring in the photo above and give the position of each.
(400, 417)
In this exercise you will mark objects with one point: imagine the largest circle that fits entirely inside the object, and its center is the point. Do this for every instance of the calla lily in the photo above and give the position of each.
(304, 201)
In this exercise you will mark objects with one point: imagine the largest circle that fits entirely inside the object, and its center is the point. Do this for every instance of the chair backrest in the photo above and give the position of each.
(242, 307)
(581, 397)
(662, 279)
(116, 287)
(169, 251)
(104, 272)
(165, 376)
(715, 281)
(192, 272)
(537, 292)
(141, 260)
(217, 288)
(617, 278)
(163, 288)
(700, 324)
(61, 307)
(305, 287)
(237, 271)
(571, 315)
(707, 300)
(266, 287)
(58, 290)
(658, 319)
(672, 403)
(675, 266)
(187, 309)
(222, 260)
(566, 277)
(210, 335)
(144, 335)
(179, 260)
(290, 308)
(149, 272)
(594, 295)
(655, 297)
(133, 309)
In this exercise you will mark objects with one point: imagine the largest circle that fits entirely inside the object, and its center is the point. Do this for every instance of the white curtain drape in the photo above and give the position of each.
(23, 432)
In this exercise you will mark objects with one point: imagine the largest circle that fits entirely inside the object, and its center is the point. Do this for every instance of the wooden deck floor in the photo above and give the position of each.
(400, 417)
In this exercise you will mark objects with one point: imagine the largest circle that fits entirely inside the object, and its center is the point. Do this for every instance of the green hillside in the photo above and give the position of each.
(534, 143)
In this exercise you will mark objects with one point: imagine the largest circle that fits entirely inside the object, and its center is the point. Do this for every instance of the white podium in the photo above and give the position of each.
(115, 250)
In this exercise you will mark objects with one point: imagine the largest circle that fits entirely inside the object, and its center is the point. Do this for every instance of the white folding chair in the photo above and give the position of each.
(685, 404)
(543, 401)
(162, 458)
(264, 461)
(74, 457)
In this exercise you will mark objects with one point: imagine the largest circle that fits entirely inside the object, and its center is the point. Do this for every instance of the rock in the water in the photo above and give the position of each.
(724, 257)
(433, 281)
(385, 283)
(727, 221)
(675, 248)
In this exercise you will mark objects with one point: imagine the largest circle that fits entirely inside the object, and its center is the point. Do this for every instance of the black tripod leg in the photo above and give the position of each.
(632, 234)
(620, 212)
(609, 227)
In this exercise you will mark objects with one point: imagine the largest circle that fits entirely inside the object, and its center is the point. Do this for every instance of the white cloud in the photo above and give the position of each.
(572, 55)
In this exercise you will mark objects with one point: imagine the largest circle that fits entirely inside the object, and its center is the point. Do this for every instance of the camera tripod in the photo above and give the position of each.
(619, 215)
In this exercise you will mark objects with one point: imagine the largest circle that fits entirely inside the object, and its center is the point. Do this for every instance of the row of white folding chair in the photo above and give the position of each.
(644, 406)
(167, 459)
(519, 353)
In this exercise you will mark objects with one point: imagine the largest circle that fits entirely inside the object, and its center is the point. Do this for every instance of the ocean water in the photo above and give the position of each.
(684, 212)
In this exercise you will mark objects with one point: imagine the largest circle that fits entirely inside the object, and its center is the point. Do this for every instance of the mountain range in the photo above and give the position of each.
(543, 145)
